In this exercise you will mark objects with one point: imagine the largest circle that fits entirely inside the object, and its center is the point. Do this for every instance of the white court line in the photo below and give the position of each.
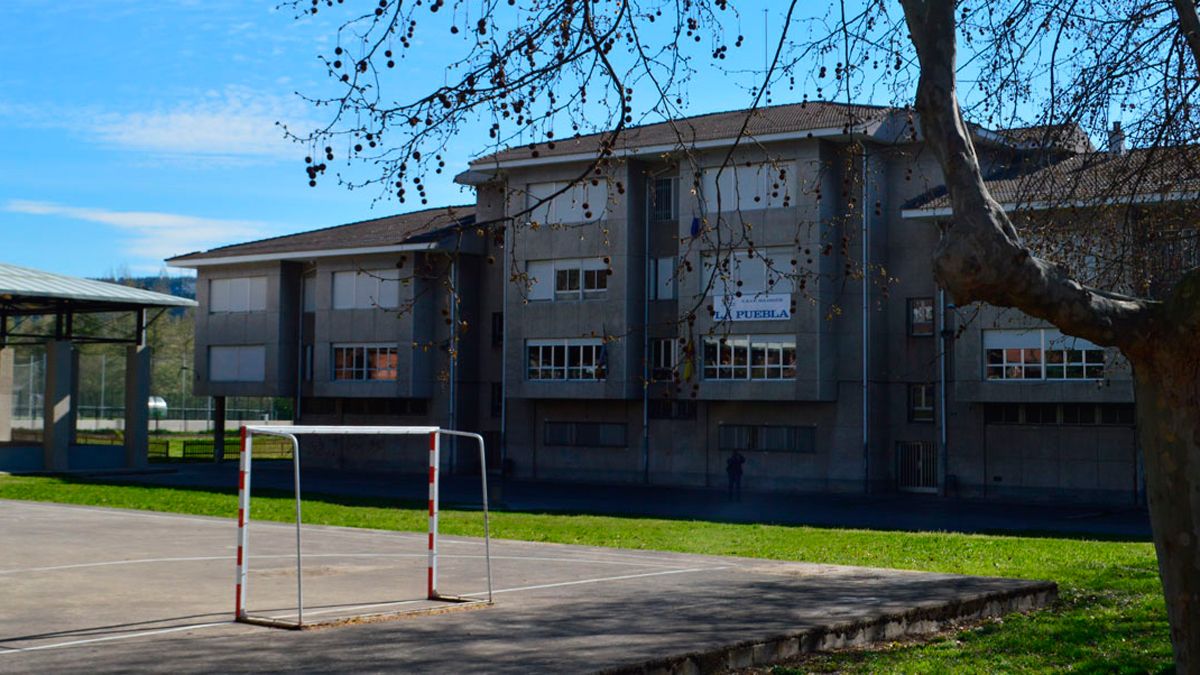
(593, 550)
(223, 521)
(52, 568)
(458, 540)
(596, 581)
(52, 506)
(220, 521)
(513, 590)
(464, 556)
(351, 608)
(111, 638)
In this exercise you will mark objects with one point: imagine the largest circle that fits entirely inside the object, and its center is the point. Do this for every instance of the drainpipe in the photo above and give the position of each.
(943, 449)
(453, 417)
(504, 346)
(646, 337)
(296, 409)
(866, 324)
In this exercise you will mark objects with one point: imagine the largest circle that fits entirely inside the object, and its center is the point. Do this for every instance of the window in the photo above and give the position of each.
(579, 203)
(595, 281)
(309, 288)
(920, 403)
(319, 406)
(374, 406)
(1054, 413)
(566, 284)
(1074, 364)
(664, 356)
(748, 187)
(497, 329)
(767, 438)
(662, 278)
(364, 362)
(662, 200)
(572, 359)
(749, 272)
(366, 289)
(671, 409)
(1078, 413)
(497, 399)
(1117, 413)
(558, 433)
(307, 375)
(247, 363)
(920, 316)
(1040, 354)
(244, 294)
(585, 434)
(770, 357)
(1002, 413)
(1041, 413)
(568, 279)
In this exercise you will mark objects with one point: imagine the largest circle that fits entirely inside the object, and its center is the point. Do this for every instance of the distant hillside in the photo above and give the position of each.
(184, 287)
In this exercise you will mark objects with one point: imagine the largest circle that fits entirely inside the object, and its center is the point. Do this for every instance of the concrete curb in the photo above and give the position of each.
(910, 623)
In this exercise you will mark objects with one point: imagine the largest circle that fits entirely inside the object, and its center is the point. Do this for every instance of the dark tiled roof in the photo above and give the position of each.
(415, 227)
(1068, 137)
(1091, 178)
(791, 117)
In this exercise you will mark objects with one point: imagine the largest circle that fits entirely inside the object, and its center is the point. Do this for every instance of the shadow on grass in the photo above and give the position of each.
(624, 511)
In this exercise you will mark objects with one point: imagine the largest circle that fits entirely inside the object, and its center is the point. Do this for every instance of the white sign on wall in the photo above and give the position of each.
(763, 307)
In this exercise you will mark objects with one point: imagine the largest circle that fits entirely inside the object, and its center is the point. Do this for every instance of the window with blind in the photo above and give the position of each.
(364, 362)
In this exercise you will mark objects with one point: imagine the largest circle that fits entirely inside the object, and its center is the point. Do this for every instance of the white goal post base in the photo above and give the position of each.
(293, 433)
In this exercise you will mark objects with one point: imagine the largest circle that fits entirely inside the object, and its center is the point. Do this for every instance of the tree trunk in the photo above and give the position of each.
(980, 258)
(1168, 414)
(1167, 385)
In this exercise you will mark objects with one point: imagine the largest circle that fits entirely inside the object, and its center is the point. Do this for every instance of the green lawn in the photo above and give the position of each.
(1110, 617)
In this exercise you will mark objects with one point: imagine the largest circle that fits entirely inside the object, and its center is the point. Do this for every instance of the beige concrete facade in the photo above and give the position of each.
(1005, 439)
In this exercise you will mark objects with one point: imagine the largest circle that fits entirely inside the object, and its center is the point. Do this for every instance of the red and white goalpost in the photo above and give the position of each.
(293, 433)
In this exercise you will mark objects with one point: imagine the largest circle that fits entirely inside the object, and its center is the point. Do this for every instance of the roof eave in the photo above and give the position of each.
(31, 303)
(473, 178)
(1045, 205)
(251, 258)
(484, 165)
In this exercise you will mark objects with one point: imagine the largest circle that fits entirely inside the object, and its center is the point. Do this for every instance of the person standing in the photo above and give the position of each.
(733, 467)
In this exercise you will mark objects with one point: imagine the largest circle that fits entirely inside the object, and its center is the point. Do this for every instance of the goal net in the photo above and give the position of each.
(436, 600)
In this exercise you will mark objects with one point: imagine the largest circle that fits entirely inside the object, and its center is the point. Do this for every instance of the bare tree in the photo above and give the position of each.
(1067, 67)
(982, 258)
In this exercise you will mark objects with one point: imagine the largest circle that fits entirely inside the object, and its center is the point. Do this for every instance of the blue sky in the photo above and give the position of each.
(134, 130)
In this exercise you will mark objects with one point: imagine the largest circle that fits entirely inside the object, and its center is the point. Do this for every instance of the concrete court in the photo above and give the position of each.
(106, 590)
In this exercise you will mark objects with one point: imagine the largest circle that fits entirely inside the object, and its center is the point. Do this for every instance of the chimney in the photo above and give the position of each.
(1116, 140)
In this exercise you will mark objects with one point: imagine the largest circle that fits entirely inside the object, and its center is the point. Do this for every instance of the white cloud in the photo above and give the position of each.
(152, 234)
(233, 124)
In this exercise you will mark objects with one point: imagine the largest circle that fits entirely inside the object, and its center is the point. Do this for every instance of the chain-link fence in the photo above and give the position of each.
(101, 396)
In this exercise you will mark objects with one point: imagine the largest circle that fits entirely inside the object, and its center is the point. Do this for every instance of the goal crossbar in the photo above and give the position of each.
(293, 433)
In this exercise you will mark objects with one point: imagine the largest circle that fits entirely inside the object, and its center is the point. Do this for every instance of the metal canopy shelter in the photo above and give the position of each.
(25, 293)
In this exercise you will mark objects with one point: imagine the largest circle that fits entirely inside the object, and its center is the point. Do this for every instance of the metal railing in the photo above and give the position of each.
(916, 466)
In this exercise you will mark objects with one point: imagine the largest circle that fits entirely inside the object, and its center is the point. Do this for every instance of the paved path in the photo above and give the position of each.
(94, 590)
(909, 512)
